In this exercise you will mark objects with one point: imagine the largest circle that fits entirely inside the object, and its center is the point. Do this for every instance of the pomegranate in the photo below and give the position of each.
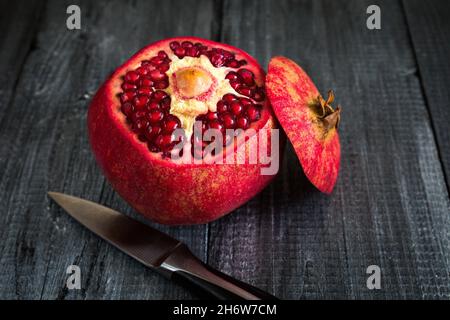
(309, 121)
(173, 85)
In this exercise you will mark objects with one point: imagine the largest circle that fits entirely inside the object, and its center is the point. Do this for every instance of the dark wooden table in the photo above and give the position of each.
(390, 208)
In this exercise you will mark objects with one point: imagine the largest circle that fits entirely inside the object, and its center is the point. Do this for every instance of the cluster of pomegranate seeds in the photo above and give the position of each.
(243, 81)
(147, 106)
(218, 57)
(233, 112)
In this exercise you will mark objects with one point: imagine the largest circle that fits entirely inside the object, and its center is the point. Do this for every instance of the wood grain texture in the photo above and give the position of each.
(429, 29)
(390, 207)
(16, 43)
(44, 147)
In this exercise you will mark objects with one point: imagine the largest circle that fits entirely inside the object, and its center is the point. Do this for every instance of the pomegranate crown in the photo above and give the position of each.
(329, 116)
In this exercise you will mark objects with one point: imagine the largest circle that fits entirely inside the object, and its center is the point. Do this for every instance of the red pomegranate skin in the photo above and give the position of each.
(165, 192)
(292, 94)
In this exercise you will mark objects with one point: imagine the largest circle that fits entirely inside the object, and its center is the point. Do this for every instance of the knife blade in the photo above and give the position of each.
(155, 249)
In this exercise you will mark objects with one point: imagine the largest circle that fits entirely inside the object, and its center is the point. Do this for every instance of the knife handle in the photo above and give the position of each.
(185, 268)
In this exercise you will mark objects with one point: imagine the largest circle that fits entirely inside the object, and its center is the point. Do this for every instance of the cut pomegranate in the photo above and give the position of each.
(168, 86)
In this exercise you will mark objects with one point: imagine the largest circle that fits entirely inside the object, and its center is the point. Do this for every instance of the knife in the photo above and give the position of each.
(156, 250)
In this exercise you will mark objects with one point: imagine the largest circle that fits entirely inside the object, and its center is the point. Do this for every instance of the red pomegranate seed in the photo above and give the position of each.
(247, 76)
(165, 103)
(228, 55)
(221, 107)
(127, 108)
(164, 67)
(149, 67)
(211, 116)
(140, 101)
(228, 120)
(153, 105)
(162, 84)
(146, 82)
(174, 44)
(126, 86)
(192, 52)
(159, 141)
(202, 49)
(162, 54)
(187, 44)
(245, 91)
(142, 71)
(180, 52)
(140, 125)
(242, 62)
(152, 131)
(159, 95)
(217, 60)
(171, 123)
(245, 102)
(145, 91)
(259, 95)
(131, 76)
(232, 76)
(236, 107)
(233, 64)
(143, 124)
(229, 97)
(164, 141)
(157, 75)
(137, 115)
(253, 112)
(156, 61)
(242, 123)
(235, 84)
(155, 116)
(215, 124)
(127, 96)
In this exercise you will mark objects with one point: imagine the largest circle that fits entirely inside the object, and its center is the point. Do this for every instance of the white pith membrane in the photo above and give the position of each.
(185, 83)
(188, 109)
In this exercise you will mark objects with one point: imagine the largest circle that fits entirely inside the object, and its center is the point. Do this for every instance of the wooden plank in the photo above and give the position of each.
(44, 147)
(390, 207)
(429, 29)
(16, 42)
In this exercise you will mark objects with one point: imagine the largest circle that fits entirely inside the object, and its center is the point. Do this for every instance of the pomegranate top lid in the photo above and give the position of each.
(308, 120)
